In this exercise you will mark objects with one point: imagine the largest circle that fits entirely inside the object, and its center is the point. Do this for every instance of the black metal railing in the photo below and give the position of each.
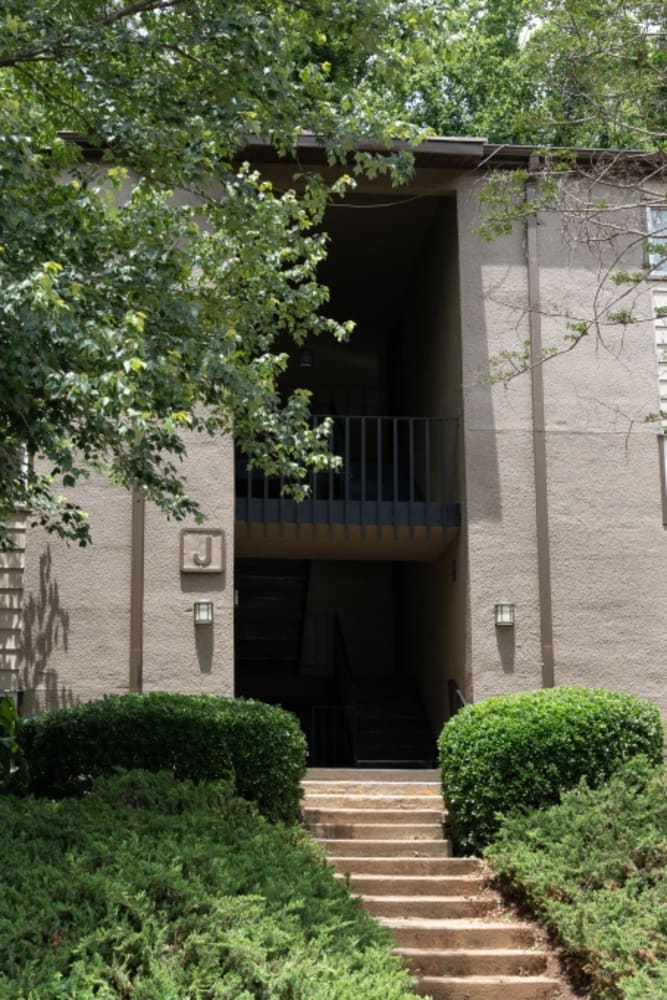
(331, 742)
(456, 698)
(333, 727)
(395, 471)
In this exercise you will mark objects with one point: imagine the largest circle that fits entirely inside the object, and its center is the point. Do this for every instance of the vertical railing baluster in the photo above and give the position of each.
(346, 475)
(362, 506)
(395, 475)
(265, 505)
(411, 473)
(443, 425)
(331, 481)
(378, 458)
(427, 474)
(315, 422)
(249, 495)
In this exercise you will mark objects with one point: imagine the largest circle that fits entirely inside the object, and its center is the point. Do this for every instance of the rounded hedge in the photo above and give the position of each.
(517, 752)
(201, 737)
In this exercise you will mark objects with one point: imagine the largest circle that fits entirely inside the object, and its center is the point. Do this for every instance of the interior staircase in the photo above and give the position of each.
(391, 726)
(383, 830)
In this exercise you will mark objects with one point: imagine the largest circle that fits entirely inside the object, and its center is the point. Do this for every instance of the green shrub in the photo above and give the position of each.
(201, 737)
(154, 888)
(593, 869)
(519, 751)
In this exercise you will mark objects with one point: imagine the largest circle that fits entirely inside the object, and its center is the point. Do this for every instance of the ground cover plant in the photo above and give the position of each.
(261, 747)
(517, 752)
(593, 869)
(151, 887)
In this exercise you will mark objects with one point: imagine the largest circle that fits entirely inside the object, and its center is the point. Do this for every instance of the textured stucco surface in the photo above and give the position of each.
(177, 655)
(76, 620)
(607, 543)
(76, 607)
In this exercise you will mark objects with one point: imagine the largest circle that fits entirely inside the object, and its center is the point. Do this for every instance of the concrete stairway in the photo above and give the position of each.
(383, 830)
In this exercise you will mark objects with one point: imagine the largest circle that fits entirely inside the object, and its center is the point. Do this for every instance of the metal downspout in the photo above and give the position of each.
(539, 447)
(136, 679)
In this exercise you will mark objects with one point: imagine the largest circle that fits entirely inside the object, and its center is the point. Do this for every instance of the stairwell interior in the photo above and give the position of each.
(318, 639)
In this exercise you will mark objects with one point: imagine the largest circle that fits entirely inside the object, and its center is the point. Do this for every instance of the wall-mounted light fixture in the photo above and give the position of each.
(203, 612)
(504, 613)
(305, 358)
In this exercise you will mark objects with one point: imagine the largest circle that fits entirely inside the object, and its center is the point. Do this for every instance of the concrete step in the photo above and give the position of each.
(429, 907)
(351, 800)
(364, 775)
(489, 987)
(332, 815)
(385, 837)
(414, 932)
(414, 885)
(377, 831)
(388, 788)
(336, 847)
(460, 867)
(474, 961)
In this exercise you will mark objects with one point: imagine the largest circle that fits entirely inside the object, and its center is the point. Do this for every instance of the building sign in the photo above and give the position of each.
(202, 550)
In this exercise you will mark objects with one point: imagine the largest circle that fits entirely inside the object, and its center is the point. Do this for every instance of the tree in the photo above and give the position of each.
(600, 105)
(127, 316)
(585, 83)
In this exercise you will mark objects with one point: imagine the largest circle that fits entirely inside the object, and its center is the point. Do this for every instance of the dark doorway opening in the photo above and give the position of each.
(317, 637)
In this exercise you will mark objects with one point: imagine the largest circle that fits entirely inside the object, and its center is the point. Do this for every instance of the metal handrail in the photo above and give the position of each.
(396, 471)
(456, 698)
(330, 643)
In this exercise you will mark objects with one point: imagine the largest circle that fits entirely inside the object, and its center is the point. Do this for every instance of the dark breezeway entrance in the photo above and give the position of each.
(319, 637)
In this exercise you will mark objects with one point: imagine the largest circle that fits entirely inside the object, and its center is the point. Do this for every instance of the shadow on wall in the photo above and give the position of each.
(506, 648)
(45, 628)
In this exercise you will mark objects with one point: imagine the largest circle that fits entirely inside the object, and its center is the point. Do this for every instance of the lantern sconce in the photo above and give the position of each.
(504, 613)
(203, 612)
(305, 358)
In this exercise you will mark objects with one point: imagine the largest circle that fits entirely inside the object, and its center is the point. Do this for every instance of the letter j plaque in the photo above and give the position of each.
(202, 550)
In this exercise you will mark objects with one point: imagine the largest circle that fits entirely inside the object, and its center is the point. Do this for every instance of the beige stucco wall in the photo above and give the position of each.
(607, 541)
(177, 655)
(76, 622)
(77, 606)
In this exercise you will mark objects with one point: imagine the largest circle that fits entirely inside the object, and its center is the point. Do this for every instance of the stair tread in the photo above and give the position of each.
(407, 952)
(388, 898)
(452, 923)
(373, 787)
(359, 774)
(385, 841)
(475, 880)
(490, 980)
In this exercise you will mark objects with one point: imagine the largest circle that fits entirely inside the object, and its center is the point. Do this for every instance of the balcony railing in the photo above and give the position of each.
(397, 471)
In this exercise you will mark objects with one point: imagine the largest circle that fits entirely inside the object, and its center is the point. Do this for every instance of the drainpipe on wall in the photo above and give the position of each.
(136, 679)
(539, 442)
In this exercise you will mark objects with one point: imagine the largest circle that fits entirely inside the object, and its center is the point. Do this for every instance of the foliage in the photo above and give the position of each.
(585, 84)
(9, 747)
(129, 317)
(150, 887)
(545, 73)
(200, 737)
(594, 869)
(477, 81)
(518, 752)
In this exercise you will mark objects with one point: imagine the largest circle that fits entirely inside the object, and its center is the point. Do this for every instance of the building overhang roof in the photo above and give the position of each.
(439, 152)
